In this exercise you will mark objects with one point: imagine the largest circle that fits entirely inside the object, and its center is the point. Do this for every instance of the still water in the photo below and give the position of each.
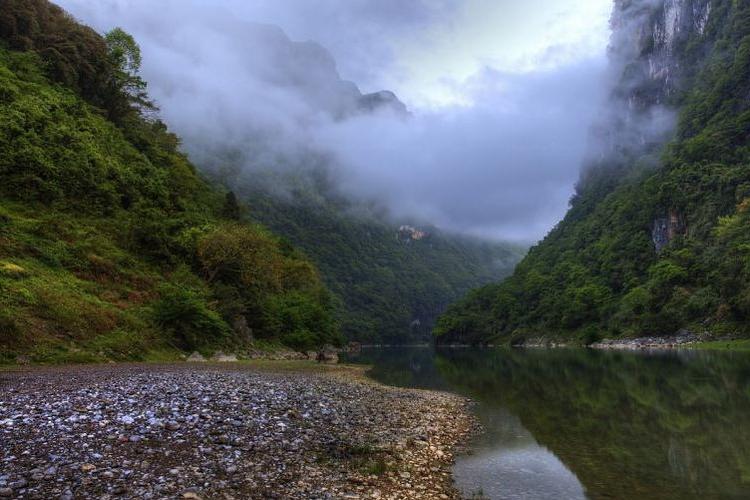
(577, 423)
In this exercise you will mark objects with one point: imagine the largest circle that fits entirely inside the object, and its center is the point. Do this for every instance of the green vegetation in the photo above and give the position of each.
(365, 458)
(597, 273)
(390, 288)
(725, 345)
(111, 245)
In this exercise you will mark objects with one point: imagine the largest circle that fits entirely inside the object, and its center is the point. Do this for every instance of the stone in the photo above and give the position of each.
(328, 355)
(220, 357)
(6, 492)
(21, 483)
(196, 357)
(238, 430)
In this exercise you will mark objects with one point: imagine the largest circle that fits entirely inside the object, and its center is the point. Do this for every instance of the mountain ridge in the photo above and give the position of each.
(654, 239)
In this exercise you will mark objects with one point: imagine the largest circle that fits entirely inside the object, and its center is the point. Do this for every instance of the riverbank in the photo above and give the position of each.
(261, 430)
(680, 340)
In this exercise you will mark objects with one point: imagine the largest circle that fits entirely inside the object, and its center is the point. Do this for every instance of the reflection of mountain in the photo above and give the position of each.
(628, 426)
(402, 367)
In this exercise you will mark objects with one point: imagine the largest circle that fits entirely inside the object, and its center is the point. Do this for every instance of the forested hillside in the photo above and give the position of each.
(390, 282)
(388, 287)
(657, 237)
(112, 246)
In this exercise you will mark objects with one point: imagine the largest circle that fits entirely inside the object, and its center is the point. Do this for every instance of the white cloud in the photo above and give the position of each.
(503, 94)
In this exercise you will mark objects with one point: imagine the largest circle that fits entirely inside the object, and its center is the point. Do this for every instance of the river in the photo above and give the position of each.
(579, 423)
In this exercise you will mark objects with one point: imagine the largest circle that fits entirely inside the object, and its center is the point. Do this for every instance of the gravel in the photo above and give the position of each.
(187, 431)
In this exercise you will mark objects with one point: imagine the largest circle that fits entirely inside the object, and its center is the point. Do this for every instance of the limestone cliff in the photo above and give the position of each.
(658, 232)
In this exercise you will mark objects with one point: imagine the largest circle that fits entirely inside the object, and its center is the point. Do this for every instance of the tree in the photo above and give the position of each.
(125, 56)
(231, 209)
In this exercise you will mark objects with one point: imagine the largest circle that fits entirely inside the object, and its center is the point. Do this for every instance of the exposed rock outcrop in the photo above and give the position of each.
(645, 62)
(667, 228)
(408, 233)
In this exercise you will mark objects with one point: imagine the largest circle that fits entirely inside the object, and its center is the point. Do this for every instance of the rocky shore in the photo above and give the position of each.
(289, 430)
(681, 339)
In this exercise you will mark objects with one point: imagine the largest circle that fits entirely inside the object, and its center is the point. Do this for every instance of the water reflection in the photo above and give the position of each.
(509, 463)
(564, 423)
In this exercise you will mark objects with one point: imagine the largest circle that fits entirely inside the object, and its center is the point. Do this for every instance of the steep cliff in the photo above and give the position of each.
(656, 238)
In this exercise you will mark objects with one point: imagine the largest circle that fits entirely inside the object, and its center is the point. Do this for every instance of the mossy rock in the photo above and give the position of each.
(10, 270)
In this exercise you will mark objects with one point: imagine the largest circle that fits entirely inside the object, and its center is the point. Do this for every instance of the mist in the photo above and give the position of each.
(493, 150)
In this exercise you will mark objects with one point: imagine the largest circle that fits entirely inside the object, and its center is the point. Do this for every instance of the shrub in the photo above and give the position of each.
(187, 316)
(9, 331)
(590, 335)
(302, 321)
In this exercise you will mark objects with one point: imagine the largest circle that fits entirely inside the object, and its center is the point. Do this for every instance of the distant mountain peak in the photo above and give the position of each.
(309, 70)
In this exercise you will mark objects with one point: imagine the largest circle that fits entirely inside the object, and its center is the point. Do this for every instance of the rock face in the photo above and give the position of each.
(666, 228)
(648, 71)
(241, 328)
(408, 233)
(383, 100)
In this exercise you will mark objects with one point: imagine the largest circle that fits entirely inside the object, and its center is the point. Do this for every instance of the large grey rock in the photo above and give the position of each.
(328, 355)
(196, 357)
(224, 358)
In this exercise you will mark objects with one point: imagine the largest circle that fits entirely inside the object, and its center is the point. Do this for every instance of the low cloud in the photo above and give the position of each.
(501, 164)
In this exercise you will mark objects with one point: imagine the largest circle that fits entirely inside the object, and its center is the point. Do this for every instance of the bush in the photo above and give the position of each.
(302, 321)
(187, 316)
(9, 331)
(590, 335)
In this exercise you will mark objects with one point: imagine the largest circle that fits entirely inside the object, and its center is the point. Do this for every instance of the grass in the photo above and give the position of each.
(724, 345)
(361, 457)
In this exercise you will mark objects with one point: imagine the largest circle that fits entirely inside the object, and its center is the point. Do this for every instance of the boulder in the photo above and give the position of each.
(196, 357)
(328, 355)
(224, 358)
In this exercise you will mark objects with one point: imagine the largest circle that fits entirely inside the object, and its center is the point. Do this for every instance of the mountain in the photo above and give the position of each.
(391, 280)
(112, 245)
(305, 70)
(389, 286)
(657, 235)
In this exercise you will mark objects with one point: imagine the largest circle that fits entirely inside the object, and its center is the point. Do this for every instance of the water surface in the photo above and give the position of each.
(576, 423)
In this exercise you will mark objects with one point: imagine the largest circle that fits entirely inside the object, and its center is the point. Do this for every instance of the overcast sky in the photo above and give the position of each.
(502, 94)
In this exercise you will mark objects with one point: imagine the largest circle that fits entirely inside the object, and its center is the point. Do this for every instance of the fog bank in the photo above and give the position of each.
(500, 161)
